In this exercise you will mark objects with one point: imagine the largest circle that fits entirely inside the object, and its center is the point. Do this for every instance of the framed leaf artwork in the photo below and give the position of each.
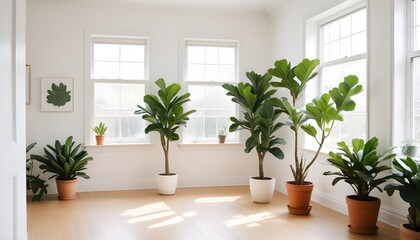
(57, 94)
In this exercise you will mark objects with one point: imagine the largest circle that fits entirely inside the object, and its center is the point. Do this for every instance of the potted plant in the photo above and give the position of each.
(410, 148)
(37, 185)
(100, 131)
(166, 114)
(322, 111)
(66, 163)
(408, 184)
(361, 168)
(222, 135)
(260, 120)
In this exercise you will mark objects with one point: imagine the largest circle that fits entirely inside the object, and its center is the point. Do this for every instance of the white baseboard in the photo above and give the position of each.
(95, 186)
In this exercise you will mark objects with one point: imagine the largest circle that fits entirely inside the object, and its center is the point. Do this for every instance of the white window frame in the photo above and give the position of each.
(313, 49)
(209, 43)
(109, 37)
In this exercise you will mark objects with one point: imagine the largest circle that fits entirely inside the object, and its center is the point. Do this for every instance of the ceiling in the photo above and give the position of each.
(245, 4)
(231, 4)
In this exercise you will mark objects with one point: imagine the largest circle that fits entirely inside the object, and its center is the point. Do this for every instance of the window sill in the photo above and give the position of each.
(324, 151)
(210, 146)
(119, 147)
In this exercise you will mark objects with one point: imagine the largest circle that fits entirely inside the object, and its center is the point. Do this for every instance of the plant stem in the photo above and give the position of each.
(261, 156)
(165, 145)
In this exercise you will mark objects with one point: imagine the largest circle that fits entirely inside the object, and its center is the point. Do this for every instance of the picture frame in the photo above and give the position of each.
(28, 84)
(57, 95)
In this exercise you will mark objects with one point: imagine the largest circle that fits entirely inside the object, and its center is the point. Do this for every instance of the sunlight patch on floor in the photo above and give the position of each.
(151, 217)
(250, 220)
(217, 199)
(189, 214)
(147, 209)
(170, 221)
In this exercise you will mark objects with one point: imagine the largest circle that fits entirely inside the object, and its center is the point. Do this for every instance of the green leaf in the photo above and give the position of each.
(58, 95)
(310, 130)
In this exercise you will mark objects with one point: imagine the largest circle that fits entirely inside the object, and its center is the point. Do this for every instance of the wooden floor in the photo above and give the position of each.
(193, 213)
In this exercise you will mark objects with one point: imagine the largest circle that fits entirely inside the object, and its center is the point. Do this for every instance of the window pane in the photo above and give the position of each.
(334, 50)
(107, 96)
(115, 104)
(344, 37)
(226, 73)
(358, 21)
(358, 43)
(326, 33)
(106, 52)
(196, 54)
(132, 127)
(326, 53)
(334, 31)
(345, 47)
(416, 38)
(345, 27)
(132, 95)
(132, 70)
(132, 53)
(212, 73)
(416, 83)
(213, 65)
(226, 55)
(416, 12)
(212, 55)
(213, 111)
(196, 72)
(106, 70)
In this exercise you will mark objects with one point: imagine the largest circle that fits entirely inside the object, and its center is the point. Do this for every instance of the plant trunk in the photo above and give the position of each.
(297, 171)
(165, 145)
(261, 164)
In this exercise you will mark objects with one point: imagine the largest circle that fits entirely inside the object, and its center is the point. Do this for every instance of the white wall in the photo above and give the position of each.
(288, 28)
(55, 48)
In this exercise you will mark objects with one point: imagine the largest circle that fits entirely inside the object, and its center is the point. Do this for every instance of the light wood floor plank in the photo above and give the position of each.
(216, 213)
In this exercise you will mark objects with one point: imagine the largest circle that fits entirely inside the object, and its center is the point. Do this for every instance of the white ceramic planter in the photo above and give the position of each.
(167, 184)
(262, 190)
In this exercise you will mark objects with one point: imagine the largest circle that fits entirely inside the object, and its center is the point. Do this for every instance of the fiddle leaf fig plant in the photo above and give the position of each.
(408, 185)
(360, 166)
(323, 111)
(259, 116)
(166, 114)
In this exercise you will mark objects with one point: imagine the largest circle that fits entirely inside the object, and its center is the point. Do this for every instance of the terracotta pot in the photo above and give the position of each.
(167, 183)
(363, 215)
(222, 138)
(99, 140)
(261, 189)
(66, 189)
(299, 197)
(408, 234)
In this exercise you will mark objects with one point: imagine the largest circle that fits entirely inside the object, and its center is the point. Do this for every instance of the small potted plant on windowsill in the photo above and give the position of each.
(260, 119)
(361, 168)
(66, 163)
(222, 135)
(100, 131)
(166, 114)
(408, 184)
(323, 113)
